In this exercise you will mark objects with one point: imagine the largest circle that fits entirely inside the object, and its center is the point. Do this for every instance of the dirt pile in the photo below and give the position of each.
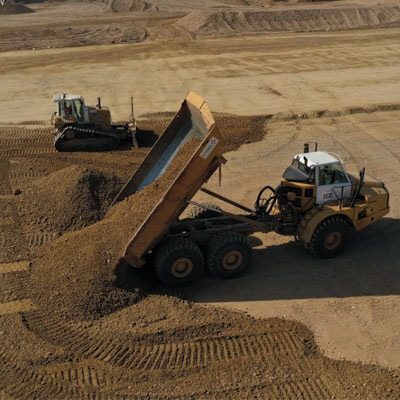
(239, 130)
(74, 276)
(201, 22)
(130, 5)
(68, 199)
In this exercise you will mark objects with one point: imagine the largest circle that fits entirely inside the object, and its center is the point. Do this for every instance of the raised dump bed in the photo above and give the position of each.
(193, 127)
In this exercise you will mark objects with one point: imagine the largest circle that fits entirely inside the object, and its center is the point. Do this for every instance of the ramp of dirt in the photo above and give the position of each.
(205, 22)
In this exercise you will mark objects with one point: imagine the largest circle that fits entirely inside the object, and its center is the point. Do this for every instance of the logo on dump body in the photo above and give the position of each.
(210, 146)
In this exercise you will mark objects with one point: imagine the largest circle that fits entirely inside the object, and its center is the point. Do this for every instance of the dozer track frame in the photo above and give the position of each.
(74, 138)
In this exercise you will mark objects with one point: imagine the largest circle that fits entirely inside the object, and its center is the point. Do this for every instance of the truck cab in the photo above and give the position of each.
(316, 178)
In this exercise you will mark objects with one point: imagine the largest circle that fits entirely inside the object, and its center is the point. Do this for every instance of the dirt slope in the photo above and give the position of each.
(124, 21)
(205, 23)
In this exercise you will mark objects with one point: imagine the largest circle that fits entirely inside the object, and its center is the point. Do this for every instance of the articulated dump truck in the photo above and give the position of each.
(317, 202)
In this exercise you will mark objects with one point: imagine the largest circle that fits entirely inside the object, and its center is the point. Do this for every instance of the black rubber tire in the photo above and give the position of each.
(197, 212)
(178, 261)
(330, 237)
(228, 254)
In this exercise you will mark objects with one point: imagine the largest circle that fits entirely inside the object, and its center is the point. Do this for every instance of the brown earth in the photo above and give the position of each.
(77, 322)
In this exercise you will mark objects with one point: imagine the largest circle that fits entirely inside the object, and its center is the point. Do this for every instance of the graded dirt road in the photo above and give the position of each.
(68, 332)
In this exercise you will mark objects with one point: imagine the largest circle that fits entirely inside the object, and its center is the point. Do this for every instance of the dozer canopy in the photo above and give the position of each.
(65, 96)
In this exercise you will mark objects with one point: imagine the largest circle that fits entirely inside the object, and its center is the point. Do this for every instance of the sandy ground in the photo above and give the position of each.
(340, 89)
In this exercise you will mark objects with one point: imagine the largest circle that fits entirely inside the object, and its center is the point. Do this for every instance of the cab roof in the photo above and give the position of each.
(318, 158)
(66, 96)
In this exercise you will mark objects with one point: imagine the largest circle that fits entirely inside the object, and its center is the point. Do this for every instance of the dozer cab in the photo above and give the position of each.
(317, 202)
(85, 128)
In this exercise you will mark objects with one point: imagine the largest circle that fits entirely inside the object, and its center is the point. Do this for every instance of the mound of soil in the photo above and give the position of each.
(203, 22)
(74, 276)
(69, 199)
(237, 130)
(131, 5)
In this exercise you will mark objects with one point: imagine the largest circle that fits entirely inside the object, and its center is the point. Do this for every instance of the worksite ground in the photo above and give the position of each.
(292, 326)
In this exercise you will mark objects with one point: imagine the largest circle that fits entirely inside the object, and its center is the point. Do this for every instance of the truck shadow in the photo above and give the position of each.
(369, 266)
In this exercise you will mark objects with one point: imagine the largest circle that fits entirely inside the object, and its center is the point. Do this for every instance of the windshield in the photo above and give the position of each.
(332, 173)
(301, 166)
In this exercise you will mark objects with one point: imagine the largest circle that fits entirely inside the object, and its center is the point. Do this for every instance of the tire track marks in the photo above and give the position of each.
(174, 355)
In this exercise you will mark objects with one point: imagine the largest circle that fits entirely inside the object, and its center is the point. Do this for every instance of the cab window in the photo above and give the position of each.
(68, 107)
(78, 109)
(300, 166)
(331, 174)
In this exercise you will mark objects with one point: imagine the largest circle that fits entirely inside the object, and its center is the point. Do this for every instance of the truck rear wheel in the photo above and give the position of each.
(330, 237)
(228, 254)
(178, 261)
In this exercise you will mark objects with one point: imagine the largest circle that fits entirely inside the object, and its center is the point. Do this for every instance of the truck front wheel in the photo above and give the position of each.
(178, 261)
(330, 237)
(228, 254)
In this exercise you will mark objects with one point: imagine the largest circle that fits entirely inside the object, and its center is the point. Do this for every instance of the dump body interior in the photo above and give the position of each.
(193, 121)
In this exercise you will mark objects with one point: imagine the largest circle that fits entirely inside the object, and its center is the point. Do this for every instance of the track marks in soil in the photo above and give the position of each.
(11, 245)
(173, 355)
(18, 141)
(135, 359)
(13, 275)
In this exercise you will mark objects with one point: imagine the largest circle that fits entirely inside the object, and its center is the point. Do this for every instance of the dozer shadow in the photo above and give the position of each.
(145, 138)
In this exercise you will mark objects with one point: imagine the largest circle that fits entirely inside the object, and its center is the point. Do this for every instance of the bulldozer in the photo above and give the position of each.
(79, 127)
(318, 202)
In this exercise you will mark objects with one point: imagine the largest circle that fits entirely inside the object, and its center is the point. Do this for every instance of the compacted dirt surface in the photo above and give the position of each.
(76, 321)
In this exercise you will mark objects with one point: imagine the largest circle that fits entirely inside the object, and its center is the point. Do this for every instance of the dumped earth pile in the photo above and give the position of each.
(68, 199)
(239, 130)
(74, 275)
(205, 22)
(130, 5)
